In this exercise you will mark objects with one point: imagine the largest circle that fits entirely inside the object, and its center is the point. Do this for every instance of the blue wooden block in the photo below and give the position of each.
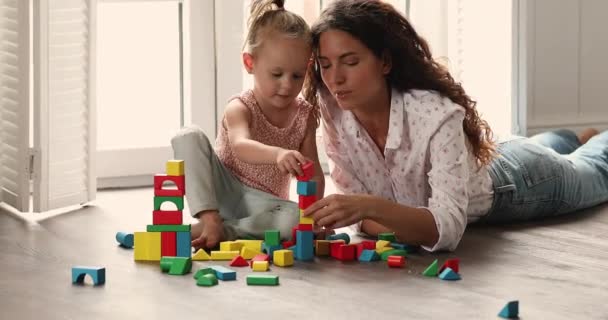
(184, 248)
(98, 274)
(125, 239)
(224, 273)
(510, 310)
(369, 255)
(307, 188)
(403, 246)
(449, 274)
(304, 245)
(269, 249)
(339, 236)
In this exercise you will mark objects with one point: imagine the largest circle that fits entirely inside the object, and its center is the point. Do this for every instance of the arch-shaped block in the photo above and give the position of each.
(178, 201)
(179, 181)
(98, 274)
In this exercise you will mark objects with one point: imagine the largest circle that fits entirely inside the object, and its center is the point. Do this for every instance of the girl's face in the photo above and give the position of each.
(351, 72)
(278, 67)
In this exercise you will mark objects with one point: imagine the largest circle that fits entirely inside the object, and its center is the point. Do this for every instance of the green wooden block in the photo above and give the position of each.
(204, 271)
(206, 280)
(432, 270)
(178, 201)
(176, 266)
(168, 228)
(388, 236)
(262, 280)
(394, 252)
(272, 237)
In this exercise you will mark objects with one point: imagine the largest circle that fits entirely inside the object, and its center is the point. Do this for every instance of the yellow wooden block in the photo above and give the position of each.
(322, 247)
(252, 244)
(282, 258)
(230, 246)
(223, 255)
(147, 246)
(382, 244)
(175, 168)
(260, 266)
(248, 253)
(306, 220)
(380, 250)
(201, 255)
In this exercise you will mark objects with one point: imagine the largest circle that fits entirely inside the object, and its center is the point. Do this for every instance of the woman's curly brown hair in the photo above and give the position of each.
(384, 30)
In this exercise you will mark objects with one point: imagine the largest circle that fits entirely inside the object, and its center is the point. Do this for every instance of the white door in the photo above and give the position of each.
(64, 103)
(14, 103)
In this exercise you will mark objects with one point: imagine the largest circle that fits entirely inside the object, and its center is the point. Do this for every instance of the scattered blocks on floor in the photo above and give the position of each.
(510, 310)
(382, 244)
(432, 270)
(369, 255)
(248, 253)
(231, 246)
(283, 258)
(259, 266)
(201, 255)
(339, 236)
(269, 249)
(387, 236)
(223, 255)
(203, 271)
(262, 280)
(238, 261)
(449, 274)
(346, 252)
(452, 264)
(393, 252)
(251, 244)
(224, 273)
(147, 246)
(365, 245)
(272, 238)
(207, 280)
(322, 248)
(395, 261)
(176, 265)
(260, 257)
(125, 239)
(98, 274)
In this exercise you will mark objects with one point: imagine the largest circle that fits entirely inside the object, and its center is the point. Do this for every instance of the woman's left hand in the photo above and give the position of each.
(337, 211)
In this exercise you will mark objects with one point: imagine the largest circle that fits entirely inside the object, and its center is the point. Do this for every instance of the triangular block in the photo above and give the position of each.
(449, 274)
(452, 264)
(432, 269)
(201, 255)
(238, 261)
(510, 310)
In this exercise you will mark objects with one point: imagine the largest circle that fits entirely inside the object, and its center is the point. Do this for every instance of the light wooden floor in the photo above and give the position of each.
(556, 269)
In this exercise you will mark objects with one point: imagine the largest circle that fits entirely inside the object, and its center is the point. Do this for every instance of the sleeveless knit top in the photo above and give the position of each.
(264, 177)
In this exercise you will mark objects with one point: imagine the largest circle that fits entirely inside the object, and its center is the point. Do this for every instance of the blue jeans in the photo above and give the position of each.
(548, 175)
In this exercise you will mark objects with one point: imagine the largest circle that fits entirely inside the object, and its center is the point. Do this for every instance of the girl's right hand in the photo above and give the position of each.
(291, 161)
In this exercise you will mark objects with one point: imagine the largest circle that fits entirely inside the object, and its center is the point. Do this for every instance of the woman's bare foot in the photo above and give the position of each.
(208, 231)
(587, 134)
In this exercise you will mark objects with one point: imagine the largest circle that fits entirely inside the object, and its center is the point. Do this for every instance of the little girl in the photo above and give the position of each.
(241, 188)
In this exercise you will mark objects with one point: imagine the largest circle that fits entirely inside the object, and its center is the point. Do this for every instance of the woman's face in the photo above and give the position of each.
(351, 72)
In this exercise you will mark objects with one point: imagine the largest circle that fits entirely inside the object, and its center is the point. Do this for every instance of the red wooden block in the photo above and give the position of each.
(365, 245)
(167, 217)
(259, 257)
(179, 181)
(305, 201)
(451, 263)
(168, 244)
(238, 261)
(396, 261)
(309, 171)
(334, 246)
(288, 244)
(305, 227)
(293, 234)
(346, 252)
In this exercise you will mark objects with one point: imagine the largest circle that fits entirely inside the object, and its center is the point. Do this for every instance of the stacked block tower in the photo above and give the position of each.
(307, 195)
(166, 236)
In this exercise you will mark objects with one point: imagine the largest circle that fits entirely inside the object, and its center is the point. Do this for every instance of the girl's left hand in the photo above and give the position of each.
(337, 210)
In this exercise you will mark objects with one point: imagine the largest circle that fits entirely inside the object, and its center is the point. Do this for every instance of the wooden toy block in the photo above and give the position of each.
(262, 280)
(287, 244)
(394, 252)
(382, 250)
(452, 264)
(387, 236)
(346, 252)
(382, 244)
(203, 271)
(125, 239)
(223, 255)
(404, 246)
(395, 261)
(248, 253)
(207, 280)
(432, 270)
(252, 244)
(231, 246)
(322, 248)
(304, 245)
(260, 266)
(283, 258)
(168, 244)
(184, 247)
(293, 234)
(161, 190)
(224, 273)
(168, 228)
(334, 245)
(98, 274)
(338, 236)
(147, 246)
(175, 167)
(449, 274)
(238, 261)
(178, 201)
(305, 221)
(368, 255)
(305, 201)
(176, 266)
(167, 217)
(305, 226)
(309, 172)
(201, 255)
(510, 310)
(272, 237)
(365, 245)
(307, 188)
(260, 257)
(269, 250)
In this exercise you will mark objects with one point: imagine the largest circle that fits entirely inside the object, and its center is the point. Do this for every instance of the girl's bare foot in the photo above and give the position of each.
(208, 231)
(587, 134)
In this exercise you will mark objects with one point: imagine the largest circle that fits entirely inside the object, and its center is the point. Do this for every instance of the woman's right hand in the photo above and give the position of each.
(291, 161)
